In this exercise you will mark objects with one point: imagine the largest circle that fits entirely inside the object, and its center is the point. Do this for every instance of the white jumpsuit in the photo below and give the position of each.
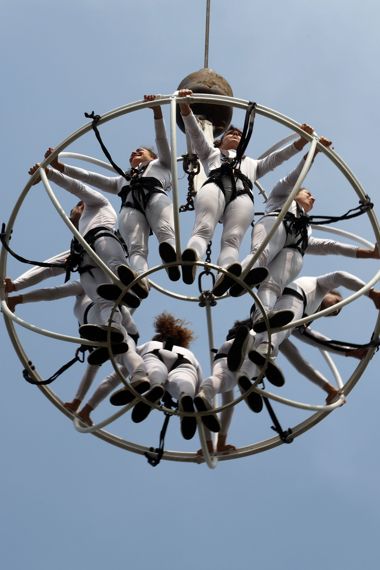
(85, 311)
(98, 212)
(312, 289)
(212, 205)
(134, 226)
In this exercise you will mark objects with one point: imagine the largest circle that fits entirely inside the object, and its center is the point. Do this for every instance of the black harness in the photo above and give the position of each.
(179, 361)
(77, 251)
(231, 171)
(296, 227)
(139, 190)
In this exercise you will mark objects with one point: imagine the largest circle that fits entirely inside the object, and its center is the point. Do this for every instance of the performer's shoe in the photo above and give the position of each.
(203, 405)
(127, 275)
(188, 423)
(100, 355)
(99, 333)
(126, 396)
(272, 372)
(276, 320)
(253, 399)
(113, 292)
(189, 271)
(168, 255)
(142, 410)
(238, 349)
(224, 281)
(254, 277)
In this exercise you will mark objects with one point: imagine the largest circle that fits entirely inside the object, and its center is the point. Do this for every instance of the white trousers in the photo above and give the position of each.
(112, 254)
(209, 207)
(135, 228)
(183, 379)
(283, 263)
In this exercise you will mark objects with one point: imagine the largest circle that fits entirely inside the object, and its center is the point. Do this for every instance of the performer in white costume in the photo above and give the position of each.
(304, 297)
(145, 203)
(226, 195)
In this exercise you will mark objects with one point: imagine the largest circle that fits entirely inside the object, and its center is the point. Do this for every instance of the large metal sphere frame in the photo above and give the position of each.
(321, 411)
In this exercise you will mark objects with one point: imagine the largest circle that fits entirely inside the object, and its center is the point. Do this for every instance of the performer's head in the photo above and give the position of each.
(169, 327)
(229, 140)
(329, 300)
(76, 212)
(141, 155)
(305, 199)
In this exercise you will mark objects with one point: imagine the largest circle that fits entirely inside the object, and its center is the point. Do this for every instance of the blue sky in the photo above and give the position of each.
(71, 500)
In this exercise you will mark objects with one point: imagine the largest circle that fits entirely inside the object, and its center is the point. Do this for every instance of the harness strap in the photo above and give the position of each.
(79, 357)
(23, 259)
(154, 455)
(338, 345)
(139, 191)
(285, 436)
(247, 131)
(95, 121)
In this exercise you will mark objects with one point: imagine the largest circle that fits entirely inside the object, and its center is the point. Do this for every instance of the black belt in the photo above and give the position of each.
(293, 293)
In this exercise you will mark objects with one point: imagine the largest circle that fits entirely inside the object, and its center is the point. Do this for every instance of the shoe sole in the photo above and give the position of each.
(276, 321)
(237, 351)
(97, 333)
(112, 292)
(100, 355)
(253, 400)
(254, 277)
(142, 410)
(188, 424)
(188, 271)
(125, 396)
(168, 255)
(126, 276)
(210, 421)
(272, 372)
(225, 281)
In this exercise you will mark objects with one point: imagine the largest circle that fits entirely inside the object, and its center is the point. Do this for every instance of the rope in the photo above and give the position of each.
(207, 33)
(79, 357)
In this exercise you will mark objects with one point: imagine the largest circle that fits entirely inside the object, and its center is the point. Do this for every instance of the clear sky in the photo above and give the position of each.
(70, 500)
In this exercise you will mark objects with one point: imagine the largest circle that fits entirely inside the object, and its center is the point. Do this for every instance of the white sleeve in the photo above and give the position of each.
(283, 188)
(111, 184)
(163, 148)
(336, 279)
(69, 289)
(319, 246)
(89, 196)
(201, 146)
(291, 352)
(37, 274)
(274, 159)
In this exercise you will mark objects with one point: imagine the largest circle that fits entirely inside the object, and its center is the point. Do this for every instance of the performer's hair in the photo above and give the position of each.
(168, 326)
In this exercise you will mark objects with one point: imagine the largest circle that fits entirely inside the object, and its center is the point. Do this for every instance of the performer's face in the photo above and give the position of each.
(230, 140)
(305, 199)
(140, 155)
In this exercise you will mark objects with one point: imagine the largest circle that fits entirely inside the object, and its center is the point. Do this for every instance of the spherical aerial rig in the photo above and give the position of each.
(214, 106)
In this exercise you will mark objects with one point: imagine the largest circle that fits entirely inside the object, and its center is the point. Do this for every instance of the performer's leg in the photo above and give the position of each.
(209, 206)
(237, 217)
